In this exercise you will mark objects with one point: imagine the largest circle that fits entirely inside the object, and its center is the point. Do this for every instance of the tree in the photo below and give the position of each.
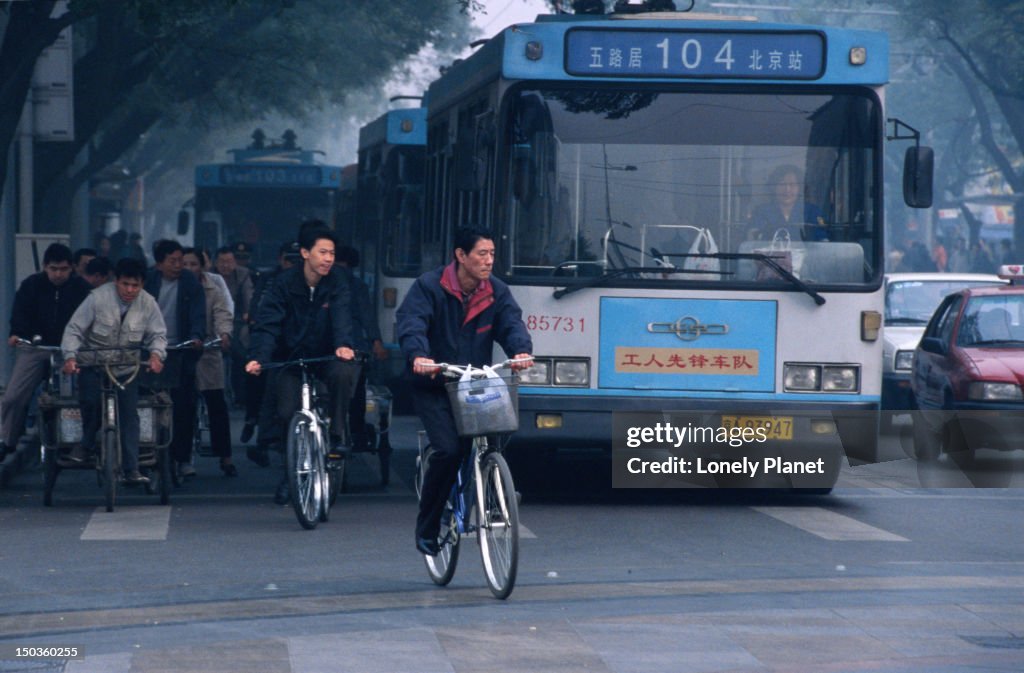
(191, 60)
(981, 44)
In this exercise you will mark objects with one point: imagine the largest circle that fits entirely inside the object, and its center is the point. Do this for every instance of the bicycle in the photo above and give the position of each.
(375, 437)
(483, 480)
(59, 431)
(313, 481)
(202, 422)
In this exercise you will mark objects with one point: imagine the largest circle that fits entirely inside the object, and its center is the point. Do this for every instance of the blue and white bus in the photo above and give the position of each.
(387, 229)
(689, 210)
(261, 197)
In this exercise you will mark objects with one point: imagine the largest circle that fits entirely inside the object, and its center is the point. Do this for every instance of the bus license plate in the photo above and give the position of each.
(776, 427)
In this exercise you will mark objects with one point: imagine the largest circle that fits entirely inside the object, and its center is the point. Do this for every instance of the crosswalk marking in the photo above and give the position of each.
(829, 525)
(128, 523)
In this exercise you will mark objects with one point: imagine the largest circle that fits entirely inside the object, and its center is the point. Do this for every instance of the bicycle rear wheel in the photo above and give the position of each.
(441, 568)
(304, 480)
(498, 530)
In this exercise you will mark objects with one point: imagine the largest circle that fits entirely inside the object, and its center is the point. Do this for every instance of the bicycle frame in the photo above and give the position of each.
(461, 511)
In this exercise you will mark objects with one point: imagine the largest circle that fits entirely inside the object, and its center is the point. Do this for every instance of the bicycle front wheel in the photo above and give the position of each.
(111, 453)
(499, 526)
(304, 479)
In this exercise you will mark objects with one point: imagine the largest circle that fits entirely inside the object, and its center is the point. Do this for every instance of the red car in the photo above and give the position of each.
(968, 372)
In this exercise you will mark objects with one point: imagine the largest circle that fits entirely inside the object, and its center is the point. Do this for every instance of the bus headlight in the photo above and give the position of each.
(801, 378)
(572, 373)
(537, 375)
(841, 379)
(904, 360)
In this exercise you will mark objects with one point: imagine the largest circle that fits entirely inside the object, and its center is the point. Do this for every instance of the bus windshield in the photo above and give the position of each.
(683, 186)
(263, 218)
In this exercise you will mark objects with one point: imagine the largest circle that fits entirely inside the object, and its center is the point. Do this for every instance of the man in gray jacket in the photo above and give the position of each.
(115, 315)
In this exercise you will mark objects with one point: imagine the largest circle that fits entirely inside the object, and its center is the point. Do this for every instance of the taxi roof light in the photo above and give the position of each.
(1012, 272)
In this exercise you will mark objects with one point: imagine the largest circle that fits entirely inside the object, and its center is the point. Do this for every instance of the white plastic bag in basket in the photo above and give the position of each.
(488, 408)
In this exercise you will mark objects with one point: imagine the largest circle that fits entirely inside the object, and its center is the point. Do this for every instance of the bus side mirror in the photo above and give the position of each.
(184, 222)
(918, 170)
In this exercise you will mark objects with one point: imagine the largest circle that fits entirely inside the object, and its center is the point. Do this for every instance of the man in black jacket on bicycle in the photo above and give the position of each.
(454, 314)
(43, 305)
(306, 313)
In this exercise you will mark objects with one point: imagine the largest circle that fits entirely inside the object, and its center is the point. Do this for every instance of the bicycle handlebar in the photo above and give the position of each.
(209, 343)
(301, 362)
(36, 343)
(457, 371)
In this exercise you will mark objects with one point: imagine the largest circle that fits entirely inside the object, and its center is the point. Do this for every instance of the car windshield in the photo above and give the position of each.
(993, 320)
(912, 302)
(657, 187)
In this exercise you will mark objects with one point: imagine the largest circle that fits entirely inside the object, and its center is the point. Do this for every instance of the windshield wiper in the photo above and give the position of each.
(989, 342)
(783, 272)
(905, 321)
(617, 273)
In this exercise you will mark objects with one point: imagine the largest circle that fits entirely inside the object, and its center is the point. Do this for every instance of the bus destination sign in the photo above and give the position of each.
(695, 54)
(270, 176)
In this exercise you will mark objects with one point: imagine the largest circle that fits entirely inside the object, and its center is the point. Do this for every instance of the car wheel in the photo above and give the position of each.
(926, 441)
(955, 444)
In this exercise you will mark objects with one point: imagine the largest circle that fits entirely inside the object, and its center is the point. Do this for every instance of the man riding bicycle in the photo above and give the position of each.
(454, 314)
(117, 318)
(306, 313)
(43, 305)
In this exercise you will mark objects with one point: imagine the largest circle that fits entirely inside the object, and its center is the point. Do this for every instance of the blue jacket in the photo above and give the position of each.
(292, 323)
(434, 323)
(191, 312)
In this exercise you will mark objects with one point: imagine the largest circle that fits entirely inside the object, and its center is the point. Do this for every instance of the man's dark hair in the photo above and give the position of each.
(348, 256)
(99, 265)
(198, 252)
(466, 238)
(164, 247)
(310, 233)
(80, 253)
(224, 250)
(129, 267)
(57, 252)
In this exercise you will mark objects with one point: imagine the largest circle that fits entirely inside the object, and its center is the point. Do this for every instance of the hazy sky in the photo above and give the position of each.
(502, 13)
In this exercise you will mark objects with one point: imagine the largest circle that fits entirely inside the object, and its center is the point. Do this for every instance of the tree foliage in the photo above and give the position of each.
(195, 61)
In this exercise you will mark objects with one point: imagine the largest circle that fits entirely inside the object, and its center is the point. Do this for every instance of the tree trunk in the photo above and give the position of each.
(29, 31)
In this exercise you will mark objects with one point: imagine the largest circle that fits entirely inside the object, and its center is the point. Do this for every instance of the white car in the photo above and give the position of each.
(910, 300)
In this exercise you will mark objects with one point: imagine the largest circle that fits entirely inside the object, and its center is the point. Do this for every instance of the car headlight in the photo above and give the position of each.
(840, 379)
(904, 360)
(801, 377)
(987, 391)
(571, 373)
(537, 375)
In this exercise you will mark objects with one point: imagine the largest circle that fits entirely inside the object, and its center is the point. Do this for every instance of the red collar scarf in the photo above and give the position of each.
(481, 298)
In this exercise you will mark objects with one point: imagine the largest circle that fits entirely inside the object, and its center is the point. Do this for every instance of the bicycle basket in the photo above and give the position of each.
(485, 406)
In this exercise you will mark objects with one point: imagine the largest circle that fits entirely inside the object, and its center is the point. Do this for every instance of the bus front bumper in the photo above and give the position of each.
(586, 422)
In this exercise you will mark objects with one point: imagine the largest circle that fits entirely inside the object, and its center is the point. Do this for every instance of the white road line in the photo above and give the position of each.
(829, 525)
(128, 523)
